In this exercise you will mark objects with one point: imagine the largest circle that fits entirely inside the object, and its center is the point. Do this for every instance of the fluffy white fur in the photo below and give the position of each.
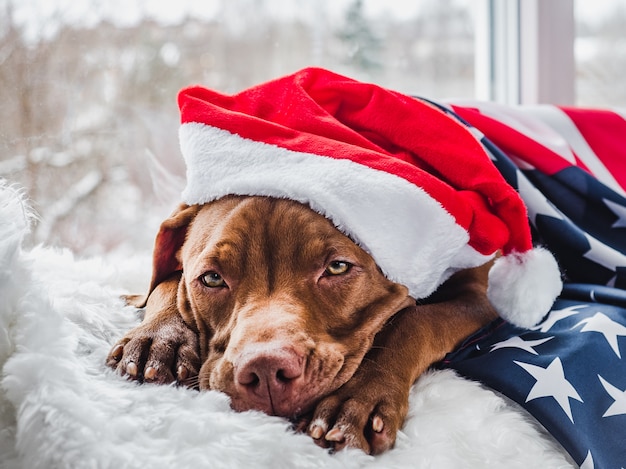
(397, 222)
(60, 407)
(523, 286)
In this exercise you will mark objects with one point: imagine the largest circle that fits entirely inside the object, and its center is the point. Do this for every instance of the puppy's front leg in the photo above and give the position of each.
(368, 410)
(163, 348)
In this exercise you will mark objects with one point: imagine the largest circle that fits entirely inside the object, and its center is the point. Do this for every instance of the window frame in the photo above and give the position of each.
(525, 51)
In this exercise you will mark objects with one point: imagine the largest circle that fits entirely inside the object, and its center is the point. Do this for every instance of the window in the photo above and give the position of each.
(600, 51)
(558, 51)
(88, 88)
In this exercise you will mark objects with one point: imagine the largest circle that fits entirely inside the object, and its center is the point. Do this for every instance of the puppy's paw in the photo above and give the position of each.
(364, 413)
(158, 351)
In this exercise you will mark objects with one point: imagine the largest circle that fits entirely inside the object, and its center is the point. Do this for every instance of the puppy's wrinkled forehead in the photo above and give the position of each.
(238, 227)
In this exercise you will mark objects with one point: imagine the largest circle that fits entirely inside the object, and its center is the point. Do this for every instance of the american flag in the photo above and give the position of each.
(569, 372)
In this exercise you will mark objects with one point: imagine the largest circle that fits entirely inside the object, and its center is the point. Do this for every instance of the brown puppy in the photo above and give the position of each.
(267, 301)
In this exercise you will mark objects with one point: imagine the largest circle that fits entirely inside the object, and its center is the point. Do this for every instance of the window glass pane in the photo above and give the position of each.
(600, 51)
(88, 88)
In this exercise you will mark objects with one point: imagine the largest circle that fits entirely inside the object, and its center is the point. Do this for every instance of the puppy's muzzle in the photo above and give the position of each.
(268, 376)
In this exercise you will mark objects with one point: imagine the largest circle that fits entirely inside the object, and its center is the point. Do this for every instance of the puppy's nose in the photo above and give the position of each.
(269, 376)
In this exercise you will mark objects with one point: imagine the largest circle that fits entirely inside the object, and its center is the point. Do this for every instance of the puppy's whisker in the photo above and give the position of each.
(192, 382)
(378, 365)
(380, 347)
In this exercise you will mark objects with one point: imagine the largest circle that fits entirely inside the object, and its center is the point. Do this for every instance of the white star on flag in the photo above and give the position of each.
(551, 382)
(619, 406)
(605, 326)
(619, 211)
(534, 199)
(604, 255)
(518, 342)
(556, 316)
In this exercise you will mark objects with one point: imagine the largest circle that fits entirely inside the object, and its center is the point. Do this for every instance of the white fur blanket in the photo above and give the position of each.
(60, 407)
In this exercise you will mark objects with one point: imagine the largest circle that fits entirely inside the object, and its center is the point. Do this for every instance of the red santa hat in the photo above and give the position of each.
(408, 183)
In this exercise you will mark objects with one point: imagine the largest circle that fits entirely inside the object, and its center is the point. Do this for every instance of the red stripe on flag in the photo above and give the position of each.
(513, 142)
(605, 132)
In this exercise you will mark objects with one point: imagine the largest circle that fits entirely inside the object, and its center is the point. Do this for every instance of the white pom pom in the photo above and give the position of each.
(523, 286)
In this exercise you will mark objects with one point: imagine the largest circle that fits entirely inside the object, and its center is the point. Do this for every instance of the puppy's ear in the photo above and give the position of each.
(169, 240)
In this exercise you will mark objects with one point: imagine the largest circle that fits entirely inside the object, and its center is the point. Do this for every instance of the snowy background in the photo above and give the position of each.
(88, 122)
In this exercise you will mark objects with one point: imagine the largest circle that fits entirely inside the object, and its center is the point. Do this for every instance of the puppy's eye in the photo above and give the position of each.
(337, 268)
(212, 280)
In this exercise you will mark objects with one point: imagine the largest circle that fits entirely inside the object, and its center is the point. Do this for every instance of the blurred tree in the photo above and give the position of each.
(363, 45)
